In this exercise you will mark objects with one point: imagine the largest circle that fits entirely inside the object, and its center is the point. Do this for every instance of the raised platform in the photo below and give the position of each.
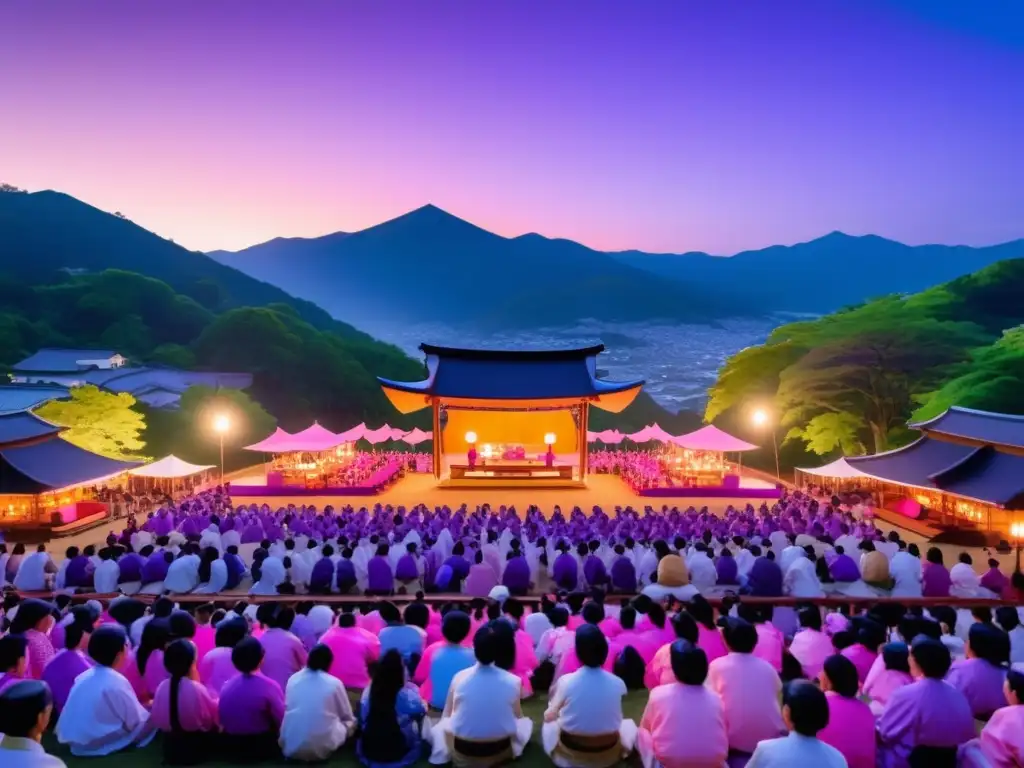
(289, 491)
(508, 482)
(520, 470)
(710, 492)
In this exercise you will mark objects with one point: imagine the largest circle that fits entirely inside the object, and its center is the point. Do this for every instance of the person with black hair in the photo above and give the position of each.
(659, 670)
(318, 717)
(805, 711)
(584, 714)
(811, 646)
(147, 667)
(1009, 620)
(981, 676)
(1001, 744)
(216, 667)
(704, 741)
(72, 660)
(25, 710)
(213, 572)
(869, 636)
(184, 708)
(33, 621)
(354, 649)
(102, 714)
(851, 723)
(251, 706)
(483, 723)
(444, 659)
(285, 653)
(935, 579)
(709, 638)
(554, 642)
(390, 712)
(925, 722)
(748, 686)
(884, 680)
(13, 660)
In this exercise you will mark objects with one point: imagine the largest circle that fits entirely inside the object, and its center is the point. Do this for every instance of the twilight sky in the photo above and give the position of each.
(668, 125)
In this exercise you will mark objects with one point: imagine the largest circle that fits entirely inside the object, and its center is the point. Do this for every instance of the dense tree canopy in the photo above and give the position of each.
(850, 381)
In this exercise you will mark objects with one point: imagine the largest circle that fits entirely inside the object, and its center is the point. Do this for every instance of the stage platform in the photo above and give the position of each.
(510, 483)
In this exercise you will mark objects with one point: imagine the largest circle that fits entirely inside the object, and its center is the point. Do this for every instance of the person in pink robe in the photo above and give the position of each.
(284, 653)
(1002, 741)
(659, 671)
(205, 638)
(709, 638)
(704, 742)
(182, 702)
(34, 620)
(810, 645)
(870, 635)
(216, 668)
(889, 673)
(982, 675)
(851, 724)
(750, 690)
(771, 643)
(354, 649)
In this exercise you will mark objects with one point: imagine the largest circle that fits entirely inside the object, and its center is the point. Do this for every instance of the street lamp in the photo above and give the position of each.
(760, 419)
(1017, 534)
(221, 424)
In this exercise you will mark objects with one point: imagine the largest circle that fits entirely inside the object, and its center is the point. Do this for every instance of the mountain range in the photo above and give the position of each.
(431, 266)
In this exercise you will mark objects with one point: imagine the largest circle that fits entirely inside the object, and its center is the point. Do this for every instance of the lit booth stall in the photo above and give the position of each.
(510, 417)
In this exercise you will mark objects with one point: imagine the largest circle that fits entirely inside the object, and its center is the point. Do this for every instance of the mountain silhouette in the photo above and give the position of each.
(428, 265)
(46, 233)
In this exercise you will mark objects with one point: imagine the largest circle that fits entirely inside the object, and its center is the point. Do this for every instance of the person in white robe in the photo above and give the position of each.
(34, 570)
(183, 575)
(906, 571)
(106, 576)
(272, 574)
(483, 702)
(102, 714)
(318, 716)
(801, 579)
(211, 538)
(586, 706)
(218, 579)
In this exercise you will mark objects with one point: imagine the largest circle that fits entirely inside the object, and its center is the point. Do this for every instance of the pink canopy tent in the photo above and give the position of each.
(417, 436)
(272, 443)
(315, 438)
(649, 433)
(356, 433)
(711, 438)
(383, 434)
(610, 436)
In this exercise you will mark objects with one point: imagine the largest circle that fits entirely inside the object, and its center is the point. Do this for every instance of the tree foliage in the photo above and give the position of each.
(99, 421)
(849, 381)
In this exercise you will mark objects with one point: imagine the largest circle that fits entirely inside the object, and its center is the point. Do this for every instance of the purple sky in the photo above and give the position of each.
(715, 125)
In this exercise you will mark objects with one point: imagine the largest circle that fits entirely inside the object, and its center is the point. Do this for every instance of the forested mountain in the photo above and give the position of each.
(851, 380)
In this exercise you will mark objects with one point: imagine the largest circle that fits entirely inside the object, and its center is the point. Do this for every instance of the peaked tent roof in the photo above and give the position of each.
(417, 436)
(976, 427)
(711, 438)
(482, 376)
(838, 468)
(315, 437)
(383, 434)
(356, 433)
(609, 436)
(54, 464)
(24, 428)
(169, 467)
(271, 443)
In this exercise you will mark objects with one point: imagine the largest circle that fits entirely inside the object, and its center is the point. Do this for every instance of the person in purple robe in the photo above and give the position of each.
(623, 572)
(925, 723)
(78, 574)
(727, 569)
(407, 569)
(155, 568)
(981, 676)
(380, 579)
(935, 580)
(565, 570)
(594, 572)
(321, 578)
(236, 568)
(252, 533)
(516, 577)
(764, 579)
(844, 568)
(345, 573)
(994, 580)
(130, 566)
(459, 564)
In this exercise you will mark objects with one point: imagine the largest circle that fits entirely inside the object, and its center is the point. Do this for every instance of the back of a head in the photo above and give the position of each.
(320, 659)
(701, 611)
(685, 627)
(689, 663)
(896, 657)
(931, 657)
(13, 648)
(627, 617)
(810, 617)
(21, 706)
(807, 707)
(559, 616)
(162, 607)
(593, 612)
(105, 643)
(1007, 617)
(591, 646)
(181, 624)
(934, 556)
(231, 631)
(247, 655)
(739, 635)
(990, 643)
(179, 657)
(455, 627)
(417, 615)
(842, 675)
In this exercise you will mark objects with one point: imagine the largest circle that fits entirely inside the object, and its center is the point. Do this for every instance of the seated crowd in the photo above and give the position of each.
(890, 686)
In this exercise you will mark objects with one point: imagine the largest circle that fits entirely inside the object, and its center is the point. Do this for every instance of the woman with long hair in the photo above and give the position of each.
(390, 712)
(33, 621)
(184, 708)
(148, 665)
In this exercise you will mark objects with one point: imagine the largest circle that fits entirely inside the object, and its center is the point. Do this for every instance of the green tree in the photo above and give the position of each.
(99, 421)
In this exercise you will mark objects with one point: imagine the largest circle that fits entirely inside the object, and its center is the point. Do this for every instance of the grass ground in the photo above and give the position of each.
(633, 707)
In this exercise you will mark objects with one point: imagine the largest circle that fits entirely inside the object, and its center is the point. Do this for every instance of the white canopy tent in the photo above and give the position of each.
(170, 467)
(839, 468)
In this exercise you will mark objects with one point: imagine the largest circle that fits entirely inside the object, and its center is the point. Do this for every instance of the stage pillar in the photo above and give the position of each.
(435, 406)
(584, 446)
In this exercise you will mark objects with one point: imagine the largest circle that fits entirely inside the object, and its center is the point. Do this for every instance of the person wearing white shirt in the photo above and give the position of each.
(805, 712)
(318, 717)
(212, 573)
(536, 624)
(211, 538)
(483, 706)
(586, 707)
(59, 581)
(557, 640)
(907, 572)
(107, 574)
(183, 575)
(25, 710)
(102, 714)
(31, 575)
(232, 538)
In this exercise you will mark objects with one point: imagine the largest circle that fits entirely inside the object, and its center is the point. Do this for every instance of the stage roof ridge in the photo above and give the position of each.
(481, 353)
(978, 427)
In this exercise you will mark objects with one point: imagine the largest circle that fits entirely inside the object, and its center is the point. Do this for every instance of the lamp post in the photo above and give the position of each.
(549, 441)
(761, 419)
(221, 424)
(1017, 534)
